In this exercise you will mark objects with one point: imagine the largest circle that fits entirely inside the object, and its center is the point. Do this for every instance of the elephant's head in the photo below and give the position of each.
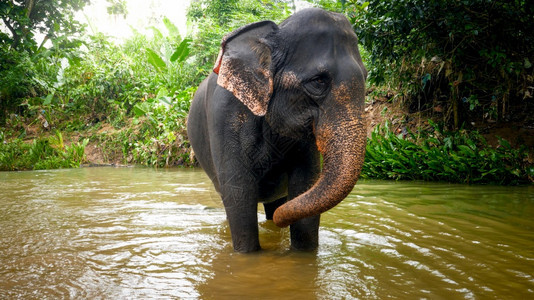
(306, 77)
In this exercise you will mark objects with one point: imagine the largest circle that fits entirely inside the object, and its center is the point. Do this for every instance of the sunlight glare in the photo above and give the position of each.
(141, 15)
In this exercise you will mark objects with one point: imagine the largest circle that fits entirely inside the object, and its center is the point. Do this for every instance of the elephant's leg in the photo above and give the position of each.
(239, 197)
(243, 221)
(270, 207)
(305, 233)
(237, 185)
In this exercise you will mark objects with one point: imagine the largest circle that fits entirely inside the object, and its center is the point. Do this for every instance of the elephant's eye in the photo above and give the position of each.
(318, 85)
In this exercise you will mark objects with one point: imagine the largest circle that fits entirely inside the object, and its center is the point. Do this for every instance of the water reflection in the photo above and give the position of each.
(143, 233)
(264, 275)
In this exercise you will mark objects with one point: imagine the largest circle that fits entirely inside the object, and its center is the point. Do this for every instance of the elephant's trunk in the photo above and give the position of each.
(341, 140)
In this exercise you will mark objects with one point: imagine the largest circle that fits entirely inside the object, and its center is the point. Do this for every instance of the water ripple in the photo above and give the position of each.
(142, 233)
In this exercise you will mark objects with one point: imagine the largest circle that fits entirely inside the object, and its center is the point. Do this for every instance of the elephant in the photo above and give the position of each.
(280, 121)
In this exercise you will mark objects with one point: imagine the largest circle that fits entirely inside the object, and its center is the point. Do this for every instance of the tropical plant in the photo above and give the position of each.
(441, 155)
(162, 138)
(19, 48)
(42, 153)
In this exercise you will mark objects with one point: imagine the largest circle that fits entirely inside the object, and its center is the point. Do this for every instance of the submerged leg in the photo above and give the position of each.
(243, 220)
(305, 233)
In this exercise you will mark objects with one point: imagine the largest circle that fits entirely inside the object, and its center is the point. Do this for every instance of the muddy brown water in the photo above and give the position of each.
(137, 233)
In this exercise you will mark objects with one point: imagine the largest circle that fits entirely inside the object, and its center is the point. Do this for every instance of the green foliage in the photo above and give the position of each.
(213, 19)
(111, 79)
(149, 79)
(17, 72)
(182, 52)
(42, 153)
(444, 156)
(162, 140)
(450, 51)
(117, 7)
(219, 10)
(22, 19)
(21, 58)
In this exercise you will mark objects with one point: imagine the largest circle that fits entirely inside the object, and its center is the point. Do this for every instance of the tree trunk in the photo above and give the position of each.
(29, 5)
(455, 96)
(16, 37)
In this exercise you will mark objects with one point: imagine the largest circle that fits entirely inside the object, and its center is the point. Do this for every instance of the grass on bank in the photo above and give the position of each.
(41, 153)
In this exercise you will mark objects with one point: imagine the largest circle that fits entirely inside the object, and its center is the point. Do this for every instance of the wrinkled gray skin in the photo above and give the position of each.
(278, 98)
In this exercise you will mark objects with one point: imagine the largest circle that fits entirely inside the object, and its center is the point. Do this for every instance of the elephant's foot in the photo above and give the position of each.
(246, 247)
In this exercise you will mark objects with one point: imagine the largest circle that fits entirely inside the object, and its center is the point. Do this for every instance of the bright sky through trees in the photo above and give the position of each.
(141, 14)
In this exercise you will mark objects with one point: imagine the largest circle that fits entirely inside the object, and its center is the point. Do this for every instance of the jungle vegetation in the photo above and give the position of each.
(455, 63)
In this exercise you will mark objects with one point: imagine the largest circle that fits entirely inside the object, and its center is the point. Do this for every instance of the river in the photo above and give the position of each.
(137, 233)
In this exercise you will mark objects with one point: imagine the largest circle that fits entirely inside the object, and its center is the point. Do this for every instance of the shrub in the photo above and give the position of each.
(474, 56)
(42, 153)
(162, 139)
(440, 155)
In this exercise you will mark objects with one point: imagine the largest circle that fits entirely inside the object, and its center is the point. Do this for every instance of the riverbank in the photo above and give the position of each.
(395, 135)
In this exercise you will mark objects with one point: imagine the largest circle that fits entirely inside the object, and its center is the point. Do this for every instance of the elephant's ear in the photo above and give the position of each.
(244, 65)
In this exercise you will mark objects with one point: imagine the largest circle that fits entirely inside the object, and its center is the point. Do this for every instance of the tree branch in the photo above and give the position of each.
(29, 5)
(16, 37)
